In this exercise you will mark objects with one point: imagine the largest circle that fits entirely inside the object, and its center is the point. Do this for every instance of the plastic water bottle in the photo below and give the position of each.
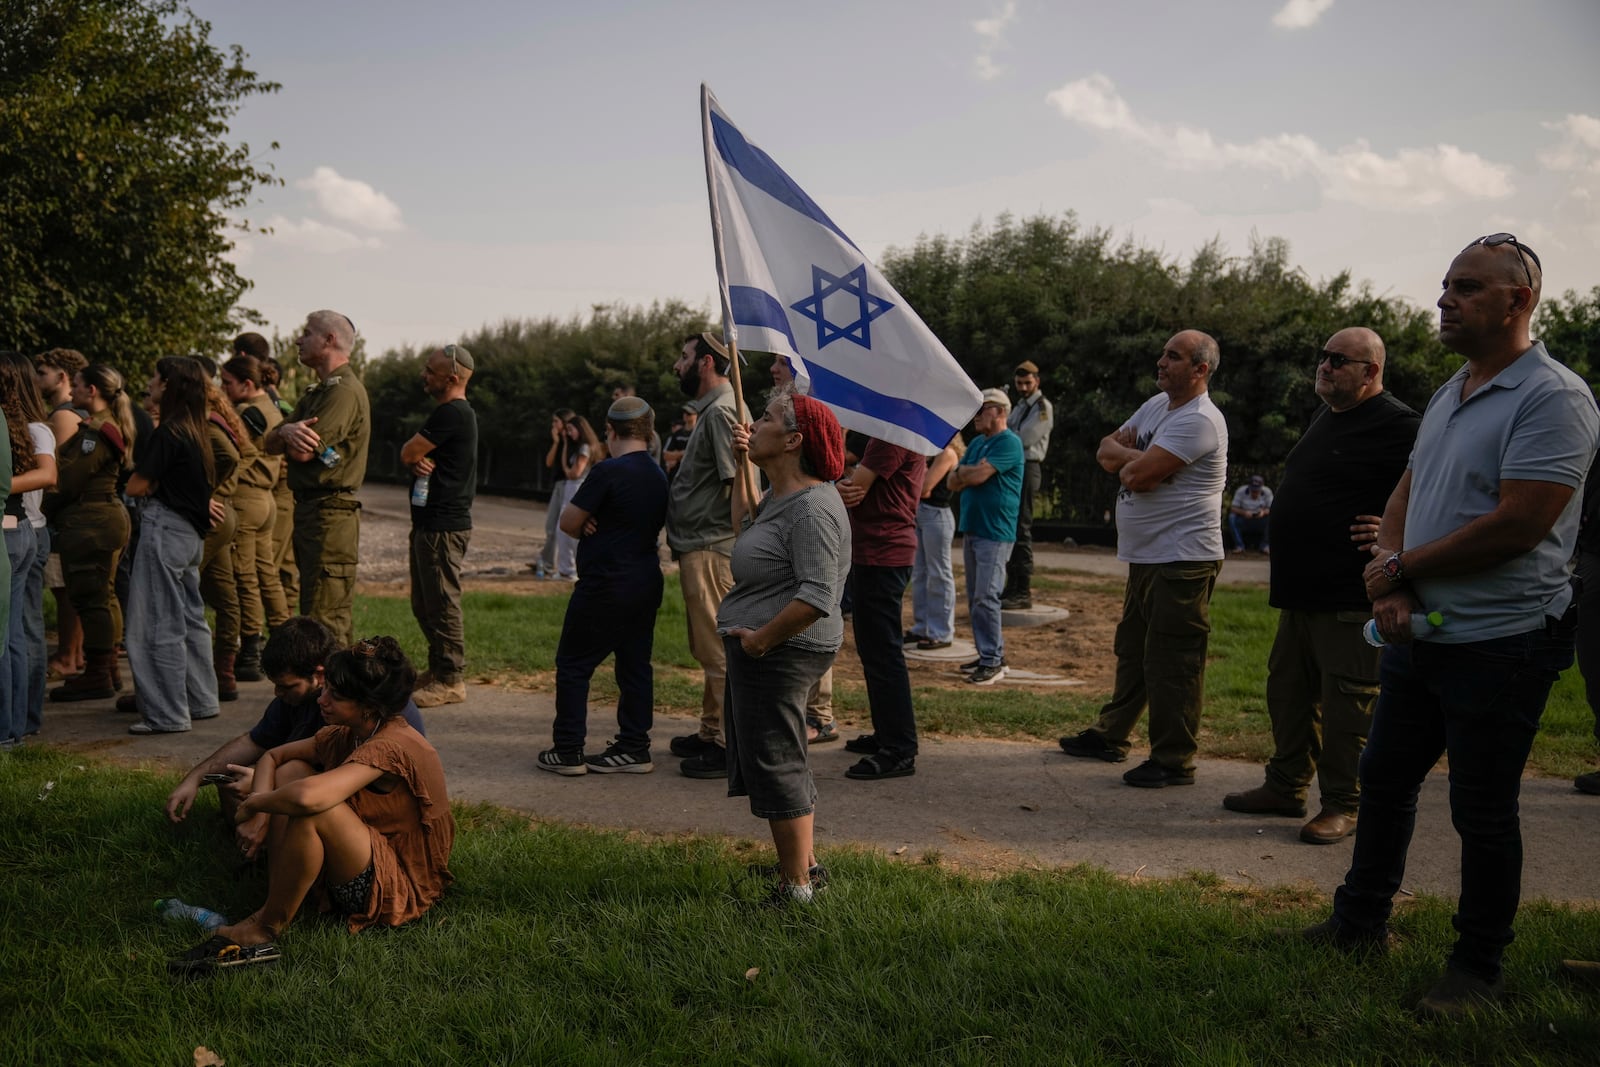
(1421, 626)
(419, 492)
(329, 456)
(177, 910)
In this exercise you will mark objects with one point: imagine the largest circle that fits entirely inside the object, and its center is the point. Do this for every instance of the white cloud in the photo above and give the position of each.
(1579, 147)
(352, 201)
(1300, 14)
(992, 33)
(313, 236)
(1354, 173)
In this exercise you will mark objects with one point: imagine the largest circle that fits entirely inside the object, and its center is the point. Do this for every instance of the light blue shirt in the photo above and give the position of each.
(1535, 421)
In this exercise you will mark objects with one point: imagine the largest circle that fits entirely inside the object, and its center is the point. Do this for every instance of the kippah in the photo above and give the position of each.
(627, 408)
(460, 355)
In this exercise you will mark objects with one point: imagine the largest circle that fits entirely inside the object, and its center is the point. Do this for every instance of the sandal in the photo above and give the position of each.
(820, 733)
(221, 952)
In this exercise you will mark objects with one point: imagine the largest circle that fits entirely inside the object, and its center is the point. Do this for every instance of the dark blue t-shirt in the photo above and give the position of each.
(282, 723)
(627, 497)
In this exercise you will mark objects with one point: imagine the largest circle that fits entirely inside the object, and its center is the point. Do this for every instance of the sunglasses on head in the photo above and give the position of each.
(1495, 240)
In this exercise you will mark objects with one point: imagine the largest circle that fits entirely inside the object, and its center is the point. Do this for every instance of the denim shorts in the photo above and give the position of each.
(764, 718)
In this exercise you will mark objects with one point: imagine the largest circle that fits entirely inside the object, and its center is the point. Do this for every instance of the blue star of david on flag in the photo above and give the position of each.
(869, 307)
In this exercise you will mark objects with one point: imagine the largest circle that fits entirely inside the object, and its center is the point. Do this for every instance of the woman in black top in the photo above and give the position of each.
(169, 644)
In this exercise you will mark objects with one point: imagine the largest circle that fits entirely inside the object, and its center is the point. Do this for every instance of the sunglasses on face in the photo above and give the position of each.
(1495, 240)
(1335, 360)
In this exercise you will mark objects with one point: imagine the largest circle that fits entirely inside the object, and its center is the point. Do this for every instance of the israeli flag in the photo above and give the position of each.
(793, 283)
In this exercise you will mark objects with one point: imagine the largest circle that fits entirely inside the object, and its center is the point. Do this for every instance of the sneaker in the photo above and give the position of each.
(911, 638)
(880, 766)
(930, 645)
(1457, 995)
(864, 745)
(784, 895)
(619, 760)
(713, 764)
(987, 675)
(690, 745)
(816, 872)
(566, 763)
(1152, 775)
(973, 664)
(437, 693)
(1588, 783)
(1331, 934)
(144, 729)
(1090, 745)
(1017, 602)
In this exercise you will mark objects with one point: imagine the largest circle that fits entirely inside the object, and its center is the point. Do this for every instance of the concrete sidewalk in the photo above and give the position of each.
(981, 804)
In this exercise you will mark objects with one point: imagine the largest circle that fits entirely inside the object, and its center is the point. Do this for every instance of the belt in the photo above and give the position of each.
(322, 494)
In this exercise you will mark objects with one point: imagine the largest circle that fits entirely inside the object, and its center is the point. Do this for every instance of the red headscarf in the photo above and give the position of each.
(822, 440)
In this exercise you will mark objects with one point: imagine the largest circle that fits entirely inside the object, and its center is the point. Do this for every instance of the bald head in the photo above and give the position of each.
(1350, 370)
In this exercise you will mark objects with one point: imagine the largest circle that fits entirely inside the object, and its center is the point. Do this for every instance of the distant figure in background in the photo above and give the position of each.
(1247, 515)
(1031, 419)
(325, 440)
(580, 450)
(678, 440)
(443, 459)
(53, 370)
(545, 565)
(933, 580)
(33, 470)
(989, 478)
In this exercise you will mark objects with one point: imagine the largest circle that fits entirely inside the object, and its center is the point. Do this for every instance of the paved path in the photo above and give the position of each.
(981, 804)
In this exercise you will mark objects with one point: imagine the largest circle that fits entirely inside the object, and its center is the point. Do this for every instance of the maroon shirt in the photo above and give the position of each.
(883, 527)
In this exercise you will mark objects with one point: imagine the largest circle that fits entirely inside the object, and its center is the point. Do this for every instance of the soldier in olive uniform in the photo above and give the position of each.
(325, 441)
(92, 525)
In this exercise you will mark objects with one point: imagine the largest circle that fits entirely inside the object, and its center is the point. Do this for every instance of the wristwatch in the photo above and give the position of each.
(1394, 569)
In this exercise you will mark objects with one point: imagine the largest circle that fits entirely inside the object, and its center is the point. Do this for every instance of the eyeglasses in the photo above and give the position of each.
(1495, 240)
(1335, 360)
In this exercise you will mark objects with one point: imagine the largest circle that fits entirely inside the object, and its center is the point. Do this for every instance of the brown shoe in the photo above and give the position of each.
(437, 693)
(1584, 971)
(1264, 801)
(1328, 828)
(128, 704)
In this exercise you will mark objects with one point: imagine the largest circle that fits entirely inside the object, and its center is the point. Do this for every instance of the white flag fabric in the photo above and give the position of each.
(794, 284)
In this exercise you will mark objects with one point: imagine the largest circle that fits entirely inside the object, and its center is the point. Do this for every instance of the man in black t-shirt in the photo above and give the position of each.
(1322, 676)
(443, 457)
(617, 516)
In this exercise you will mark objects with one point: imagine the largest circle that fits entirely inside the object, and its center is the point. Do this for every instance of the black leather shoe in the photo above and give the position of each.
(1090, 745)
(1152, 775)
(690, 745)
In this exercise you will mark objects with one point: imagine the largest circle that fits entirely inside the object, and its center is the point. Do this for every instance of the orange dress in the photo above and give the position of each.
(411, 825)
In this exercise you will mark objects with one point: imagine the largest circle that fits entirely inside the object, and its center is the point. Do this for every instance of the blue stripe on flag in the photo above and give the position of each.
(759, 308)
(760, 171)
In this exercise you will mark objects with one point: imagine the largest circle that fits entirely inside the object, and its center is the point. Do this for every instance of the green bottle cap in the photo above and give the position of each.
(1436, 618)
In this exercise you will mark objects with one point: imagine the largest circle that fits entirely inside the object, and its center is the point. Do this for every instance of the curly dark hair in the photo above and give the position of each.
(374, 673)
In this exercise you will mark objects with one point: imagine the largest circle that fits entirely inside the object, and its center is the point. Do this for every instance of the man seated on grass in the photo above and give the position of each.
(293, 660)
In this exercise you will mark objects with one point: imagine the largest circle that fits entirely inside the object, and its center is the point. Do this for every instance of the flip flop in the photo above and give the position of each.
(220, 952)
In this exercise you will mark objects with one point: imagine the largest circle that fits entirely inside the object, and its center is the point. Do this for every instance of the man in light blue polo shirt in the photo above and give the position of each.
(1481, 529)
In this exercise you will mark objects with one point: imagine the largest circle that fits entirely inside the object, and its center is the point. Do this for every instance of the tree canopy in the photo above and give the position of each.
(118, 180)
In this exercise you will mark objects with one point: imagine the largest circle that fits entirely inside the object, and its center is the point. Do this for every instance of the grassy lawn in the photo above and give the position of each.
(514, 637)
(566, 946)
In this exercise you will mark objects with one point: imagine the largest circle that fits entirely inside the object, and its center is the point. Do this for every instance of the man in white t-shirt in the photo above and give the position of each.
(1172, 461)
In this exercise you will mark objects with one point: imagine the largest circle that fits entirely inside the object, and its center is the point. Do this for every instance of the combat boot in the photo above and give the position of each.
(95, 681)
(247, 666)
(227, 686)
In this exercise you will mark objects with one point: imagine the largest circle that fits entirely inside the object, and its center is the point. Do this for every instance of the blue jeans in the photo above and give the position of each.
(933, 580)
(985, 563)
(1480, 703)
(169, 644)
(33, 621)
(20, 549)
(1247, 530)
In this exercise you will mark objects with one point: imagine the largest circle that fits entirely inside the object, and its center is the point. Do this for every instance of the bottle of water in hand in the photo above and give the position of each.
(177, 910)
(1421, 626)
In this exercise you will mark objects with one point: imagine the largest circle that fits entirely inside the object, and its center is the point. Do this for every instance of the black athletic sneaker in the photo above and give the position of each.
(567, 763)
(690, 745)
(1152, 775)
(713, 764)
(1090, 745)
(619, 760)
(973, 664)
(982, 675)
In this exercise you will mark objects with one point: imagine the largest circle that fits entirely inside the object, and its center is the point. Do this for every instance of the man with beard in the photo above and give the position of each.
(700, 534)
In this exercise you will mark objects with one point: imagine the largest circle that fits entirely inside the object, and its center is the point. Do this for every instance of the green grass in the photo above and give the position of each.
(563, 945)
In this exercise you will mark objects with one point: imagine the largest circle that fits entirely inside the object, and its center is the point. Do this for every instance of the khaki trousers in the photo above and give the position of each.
(706, 577)
(1322, 682)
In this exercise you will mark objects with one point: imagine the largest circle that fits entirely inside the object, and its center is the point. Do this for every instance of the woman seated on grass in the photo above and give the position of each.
(360, 805)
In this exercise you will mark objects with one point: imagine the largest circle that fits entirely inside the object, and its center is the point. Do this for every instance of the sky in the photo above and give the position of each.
(447, 166)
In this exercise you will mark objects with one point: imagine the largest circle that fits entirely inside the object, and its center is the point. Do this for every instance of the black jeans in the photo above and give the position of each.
(1480, 703)
(602, 618)
(878, 592)
(1019, 568)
